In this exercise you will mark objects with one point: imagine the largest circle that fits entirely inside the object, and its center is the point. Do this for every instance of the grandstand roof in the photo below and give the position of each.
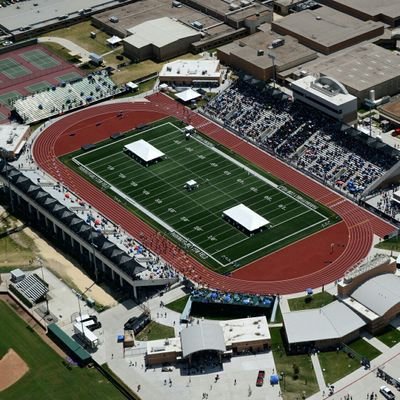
(144, 150)
(246, 217)
(202, 336)
(159, 32)
(379, 294)
(333, 321)
(325, 26)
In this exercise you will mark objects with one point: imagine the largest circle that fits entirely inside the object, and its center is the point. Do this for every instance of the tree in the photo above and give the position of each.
(296, 371)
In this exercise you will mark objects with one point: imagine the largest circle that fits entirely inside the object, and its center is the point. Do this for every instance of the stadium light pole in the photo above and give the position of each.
(272, 57)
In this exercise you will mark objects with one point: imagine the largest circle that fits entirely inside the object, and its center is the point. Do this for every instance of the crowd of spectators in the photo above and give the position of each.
(324, 147)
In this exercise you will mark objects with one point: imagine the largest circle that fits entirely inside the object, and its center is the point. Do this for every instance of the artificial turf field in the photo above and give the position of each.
(195, 218)
(47, 378)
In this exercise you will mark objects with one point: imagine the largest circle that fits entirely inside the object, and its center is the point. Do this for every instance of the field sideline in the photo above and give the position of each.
(195, 218)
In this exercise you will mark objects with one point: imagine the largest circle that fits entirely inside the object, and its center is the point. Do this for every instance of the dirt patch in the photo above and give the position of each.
(69, 272)
(12, 369)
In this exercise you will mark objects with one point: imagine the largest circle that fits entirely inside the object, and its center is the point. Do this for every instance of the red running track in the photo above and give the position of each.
(353, 235)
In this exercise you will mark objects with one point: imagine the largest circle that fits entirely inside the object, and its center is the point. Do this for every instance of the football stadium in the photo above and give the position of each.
(218, 207)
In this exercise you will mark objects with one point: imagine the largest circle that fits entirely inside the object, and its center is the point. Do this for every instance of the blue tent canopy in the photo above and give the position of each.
(274, 379)
(309, 291)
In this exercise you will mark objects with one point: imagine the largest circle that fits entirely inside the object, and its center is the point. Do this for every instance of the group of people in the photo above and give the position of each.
(314, 142)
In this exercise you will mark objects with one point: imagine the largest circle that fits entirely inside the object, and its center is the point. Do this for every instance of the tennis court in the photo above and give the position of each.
(12, 69)
(7, 98)
(38, 87)
(39, 59)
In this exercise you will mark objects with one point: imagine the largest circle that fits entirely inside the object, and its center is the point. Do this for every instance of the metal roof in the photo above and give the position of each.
(159, 32)
(202, 336)
(379, 294)
(333, 321)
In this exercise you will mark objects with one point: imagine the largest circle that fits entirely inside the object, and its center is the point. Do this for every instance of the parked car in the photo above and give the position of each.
(387, 393)
(260, 378)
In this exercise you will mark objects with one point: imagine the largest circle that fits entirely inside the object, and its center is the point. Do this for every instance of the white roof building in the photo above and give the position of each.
(331, 322)
(191, 72)
(13, 137)
(144, 150)
(327, 95)
(245, 330)
(246, 217)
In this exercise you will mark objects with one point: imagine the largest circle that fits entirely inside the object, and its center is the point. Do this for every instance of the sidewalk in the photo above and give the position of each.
(373, 341)
(318, 371)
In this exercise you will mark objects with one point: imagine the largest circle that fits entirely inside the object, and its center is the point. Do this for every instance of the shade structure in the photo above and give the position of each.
(309, 291)
(144, 150)
(188, 95)
(246, 217)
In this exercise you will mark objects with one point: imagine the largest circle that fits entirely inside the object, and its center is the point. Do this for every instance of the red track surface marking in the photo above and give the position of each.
(355, 232)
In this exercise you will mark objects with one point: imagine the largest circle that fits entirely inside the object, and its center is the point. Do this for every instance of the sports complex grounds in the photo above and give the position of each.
(194, 218)
(30, 70)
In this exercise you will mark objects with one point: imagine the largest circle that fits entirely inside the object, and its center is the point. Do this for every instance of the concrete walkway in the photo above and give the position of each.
(318, 371)
(373, 341)
(73, 48)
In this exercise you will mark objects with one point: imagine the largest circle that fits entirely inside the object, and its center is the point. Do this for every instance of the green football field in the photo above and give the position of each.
(194, 218)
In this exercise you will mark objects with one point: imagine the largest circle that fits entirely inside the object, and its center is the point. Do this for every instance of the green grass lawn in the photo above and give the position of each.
(179, 304)
(390, 244)
(196, 217)
(305, 382)
(47, 378)
(336, 365)
(80, 34)
(390, 336)
(154, 331)
(364, 349)
(317, 300)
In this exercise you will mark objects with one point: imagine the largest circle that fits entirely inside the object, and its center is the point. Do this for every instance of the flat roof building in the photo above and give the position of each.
(253, 54)
(192, 73)
(327, 30)
(159, 39)
(13, 138)
(387, 11)
(364, 67)
(327, 95)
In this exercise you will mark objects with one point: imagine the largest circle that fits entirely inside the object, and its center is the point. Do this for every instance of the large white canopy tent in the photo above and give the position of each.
(188, 95)
(144, 150)
(246, 218)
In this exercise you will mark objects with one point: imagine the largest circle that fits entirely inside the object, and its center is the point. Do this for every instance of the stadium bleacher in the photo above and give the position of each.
(312, 141)
(65, 97)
